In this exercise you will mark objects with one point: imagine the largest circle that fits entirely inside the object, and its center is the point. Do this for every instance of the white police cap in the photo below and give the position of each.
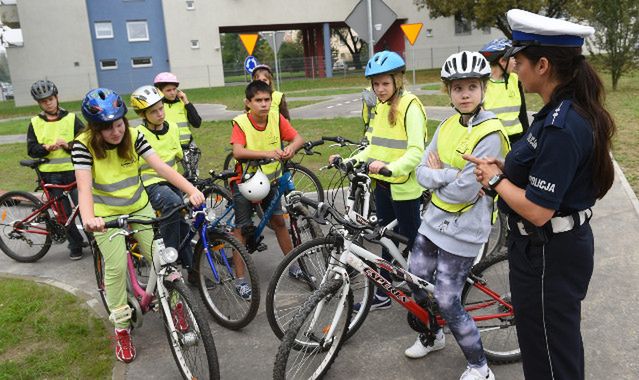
(533, 29)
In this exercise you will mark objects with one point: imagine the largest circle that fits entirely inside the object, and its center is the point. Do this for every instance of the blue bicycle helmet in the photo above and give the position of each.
(495, 49)
(384, 62)
(103, 105)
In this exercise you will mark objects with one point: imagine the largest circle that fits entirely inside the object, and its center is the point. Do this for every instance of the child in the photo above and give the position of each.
(49, 136)
(106, 157)
(256, 135)
(457, 223)
(164, 138)
(504, 93)
(278, 102)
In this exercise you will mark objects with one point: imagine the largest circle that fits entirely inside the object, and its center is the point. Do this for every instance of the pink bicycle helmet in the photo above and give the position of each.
(166, 77)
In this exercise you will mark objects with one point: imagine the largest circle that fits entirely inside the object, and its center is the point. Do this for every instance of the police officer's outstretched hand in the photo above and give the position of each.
(486, 168)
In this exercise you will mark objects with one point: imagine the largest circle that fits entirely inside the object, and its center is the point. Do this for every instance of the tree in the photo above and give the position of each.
(491, 13)
(353, 43)
(616, 24)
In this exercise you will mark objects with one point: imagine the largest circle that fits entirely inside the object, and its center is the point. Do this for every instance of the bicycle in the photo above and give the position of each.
(190, 161)
(319, 328)
(187, 330)
(30, 225)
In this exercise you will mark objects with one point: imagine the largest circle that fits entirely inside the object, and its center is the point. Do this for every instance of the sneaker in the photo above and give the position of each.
(296, 273)
(419, 350)
(244, 291)
(179, 320)
(377, 303)
(75, 254)
(124, 349)
(473, 374)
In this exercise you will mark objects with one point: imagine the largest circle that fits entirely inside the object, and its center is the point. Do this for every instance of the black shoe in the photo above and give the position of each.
(76, 254)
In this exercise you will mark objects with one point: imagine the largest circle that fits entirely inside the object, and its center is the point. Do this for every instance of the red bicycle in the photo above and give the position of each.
(28, 224)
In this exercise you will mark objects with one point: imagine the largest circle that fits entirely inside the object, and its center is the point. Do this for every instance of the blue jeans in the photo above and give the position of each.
(65, 178)
(406, 213)
(165, 198)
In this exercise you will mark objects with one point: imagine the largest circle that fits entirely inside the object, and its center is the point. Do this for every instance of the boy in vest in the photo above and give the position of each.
(49, 136)
(164, 138)
(504, 93)
(256, 135)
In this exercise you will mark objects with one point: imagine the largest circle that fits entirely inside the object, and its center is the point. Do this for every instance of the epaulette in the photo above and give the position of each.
(557, 117)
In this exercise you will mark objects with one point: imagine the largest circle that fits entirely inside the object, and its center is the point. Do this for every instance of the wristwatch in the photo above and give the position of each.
(494, 180)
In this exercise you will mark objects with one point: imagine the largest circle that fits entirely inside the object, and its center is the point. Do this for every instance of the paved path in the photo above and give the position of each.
(610, 316)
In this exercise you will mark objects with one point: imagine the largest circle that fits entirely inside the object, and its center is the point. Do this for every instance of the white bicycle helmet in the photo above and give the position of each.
(254, 186)
(465, 64)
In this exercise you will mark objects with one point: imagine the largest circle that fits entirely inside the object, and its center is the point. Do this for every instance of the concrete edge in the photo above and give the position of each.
(626, 187)
(119, 368)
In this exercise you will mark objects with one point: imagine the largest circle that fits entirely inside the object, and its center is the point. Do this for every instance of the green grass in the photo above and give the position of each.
(48, 333)
(14, 127)
(299, 103)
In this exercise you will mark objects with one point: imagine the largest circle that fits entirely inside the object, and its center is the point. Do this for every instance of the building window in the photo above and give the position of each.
(190, 5)
(103, 29)
(462, 25)
(108, 64)
(141, 62)
(195, 44)
(137, 31)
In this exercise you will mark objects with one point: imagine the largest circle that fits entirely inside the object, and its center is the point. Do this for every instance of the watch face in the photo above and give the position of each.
(494, 180)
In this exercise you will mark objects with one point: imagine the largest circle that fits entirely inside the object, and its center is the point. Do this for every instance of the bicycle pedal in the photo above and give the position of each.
(262, 247)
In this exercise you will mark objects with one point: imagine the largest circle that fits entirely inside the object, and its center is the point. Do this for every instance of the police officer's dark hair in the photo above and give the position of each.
(256, 86)
(579, 81)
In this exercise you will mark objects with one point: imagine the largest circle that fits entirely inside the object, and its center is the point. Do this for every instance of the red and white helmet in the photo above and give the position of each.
(166, 77)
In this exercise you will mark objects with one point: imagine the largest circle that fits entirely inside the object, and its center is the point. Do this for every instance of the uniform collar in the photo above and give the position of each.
(554, 113)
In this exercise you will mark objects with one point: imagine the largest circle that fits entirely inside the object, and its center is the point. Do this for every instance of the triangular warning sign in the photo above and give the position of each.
(249, 41)
(411, 31)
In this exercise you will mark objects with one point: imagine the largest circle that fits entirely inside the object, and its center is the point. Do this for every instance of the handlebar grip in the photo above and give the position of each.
(115, 223)
(385, 172)
(315, 143)
(395, 236)
(332, 138)
(309, 202)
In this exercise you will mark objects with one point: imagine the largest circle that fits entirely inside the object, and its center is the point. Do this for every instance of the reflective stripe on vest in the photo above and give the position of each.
(48, 132)
(389, 143)
(266, 140)
(166, 146)
(505, 103)
(454, 140)
(117, 189)
(176, 113)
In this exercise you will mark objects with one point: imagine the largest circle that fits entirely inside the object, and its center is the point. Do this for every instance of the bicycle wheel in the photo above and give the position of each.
(302, 227)
(498, 235)
(98, 267)
(220, 201)
(189, 334)
(499, 336)
(24, 237)
(286, 294)
(305, 353)
(229, 164)
(219, 294)
(306, 181)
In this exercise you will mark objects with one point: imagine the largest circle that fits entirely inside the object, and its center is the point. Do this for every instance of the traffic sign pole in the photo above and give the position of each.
(277, 66)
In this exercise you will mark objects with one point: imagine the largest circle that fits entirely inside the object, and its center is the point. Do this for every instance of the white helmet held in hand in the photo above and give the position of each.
(254, 186)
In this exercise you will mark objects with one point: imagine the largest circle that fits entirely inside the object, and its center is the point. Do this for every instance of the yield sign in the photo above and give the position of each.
(249, 41)
(411, 31)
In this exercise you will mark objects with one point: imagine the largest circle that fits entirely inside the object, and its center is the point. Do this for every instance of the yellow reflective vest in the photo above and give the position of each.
(454, 140)
(167, 147)
(117, 188)
(176, 113)
(266, 140)
(505, 103)
(48, 132)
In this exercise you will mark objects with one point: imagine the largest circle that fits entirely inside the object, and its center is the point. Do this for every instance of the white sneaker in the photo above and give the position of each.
(418, 350)
(473, 374)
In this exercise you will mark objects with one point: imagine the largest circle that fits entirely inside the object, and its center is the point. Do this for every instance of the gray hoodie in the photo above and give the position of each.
(464, 233)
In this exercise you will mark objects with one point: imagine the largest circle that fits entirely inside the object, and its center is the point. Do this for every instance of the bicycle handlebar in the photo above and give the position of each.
(123, 220)
(339, 140)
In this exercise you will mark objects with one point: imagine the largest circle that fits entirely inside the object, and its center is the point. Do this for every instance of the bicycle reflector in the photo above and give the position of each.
(168, 255)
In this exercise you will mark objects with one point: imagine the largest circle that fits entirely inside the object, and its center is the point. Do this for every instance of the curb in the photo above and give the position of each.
(119, 368)
(626, 187)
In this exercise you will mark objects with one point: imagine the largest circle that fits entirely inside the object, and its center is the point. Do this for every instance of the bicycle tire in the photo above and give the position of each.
(286, 295)
(187, 330)
(306, 347)
(301, 226)
(98, 268)
(306, 180)
(220, 297)
(493, 270)
(498, 235)
(16, 206)
(229, 164)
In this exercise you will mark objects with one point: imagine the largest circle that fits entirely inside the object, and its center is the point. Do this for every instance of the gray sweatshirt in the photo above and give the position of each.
(464, 233)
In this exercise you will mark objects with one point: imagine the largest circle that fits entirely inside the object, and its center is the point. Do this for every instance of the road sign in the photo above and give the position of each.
(274, 39)
(249, 41)
(411, 31)
(249, 64)
(383, 18)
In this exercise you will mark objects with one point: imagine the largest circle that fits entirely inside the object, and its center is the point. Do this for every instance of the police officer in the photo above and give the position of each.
(547, 185)
(504, 93)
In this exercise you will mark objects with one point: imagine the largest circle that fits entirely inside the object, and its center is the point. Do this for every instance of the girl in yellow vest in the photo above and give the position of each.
(106, 157)
(396, 143)
(457, 222)
(278, 102)
(504, 93)
(49, 136)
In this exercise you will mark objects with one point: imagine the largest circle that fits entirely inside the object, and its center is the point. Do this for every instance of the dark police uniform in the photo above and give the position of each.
(551, 266)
